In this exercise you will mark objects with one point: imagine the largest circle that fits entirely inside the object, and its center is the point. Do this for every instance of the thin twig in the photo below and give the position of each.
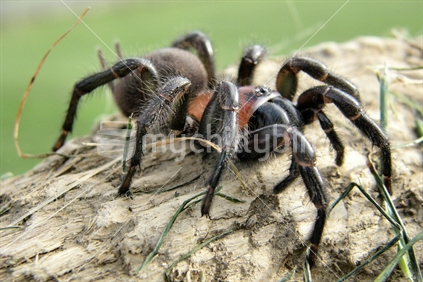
(28, 90)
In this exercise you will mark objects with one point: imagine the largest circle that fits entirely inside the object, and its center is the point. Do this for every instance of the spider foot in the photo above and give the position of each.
(205, 207)
(312, 254)
(124, 187)
(59, 143)
(127, 194)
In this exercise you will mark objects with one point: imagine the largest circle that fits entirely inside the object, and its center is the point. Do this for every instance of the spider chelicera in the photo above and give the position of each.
(175, 91)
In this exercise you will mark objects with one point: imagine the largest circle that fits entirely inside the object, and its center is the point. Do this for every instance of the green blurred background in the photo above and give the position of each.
(29, 28)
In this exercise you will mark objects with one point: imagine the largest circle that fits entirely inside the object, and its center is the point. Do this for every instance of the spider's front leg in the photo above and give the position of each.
(220, 120)
(167, 106)
(287, 80)
(286, 84)
(141, 67)
(313, 100)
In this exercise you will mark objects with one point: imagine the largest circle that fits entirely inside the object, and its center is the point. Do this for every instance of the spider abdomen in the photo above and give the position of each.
(132, 91)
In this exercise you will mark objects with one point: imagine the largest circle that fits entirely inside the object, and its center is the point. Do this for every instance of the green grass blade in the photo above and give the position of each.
(229, 198)
(307, 273)
(383, 212)
(408, 262)
(419, 127)
(187, 203)
(181, 208)
(392, 264)
(198, 247)
(412, 104)
(384, 96)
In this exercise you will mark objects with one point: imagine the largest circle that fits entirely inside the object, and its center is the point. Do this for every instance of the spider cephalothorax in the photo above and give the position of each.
(172, 89)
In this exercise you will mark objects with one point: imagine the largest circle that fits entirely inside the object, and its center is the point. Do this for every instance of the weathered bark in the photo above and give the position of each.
(73, 227)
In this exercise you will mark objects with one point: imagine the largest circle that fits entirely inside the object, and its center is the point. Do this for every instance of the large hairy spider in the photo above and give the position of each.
(176, 91)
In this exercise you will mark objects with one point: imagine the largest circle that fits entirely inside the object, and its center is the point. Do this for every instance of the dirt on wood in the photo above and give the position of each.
(70, 224)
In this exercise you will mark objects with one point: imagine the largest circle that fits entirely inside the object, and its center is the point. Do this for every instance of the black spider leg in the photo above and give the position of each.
(315, 111)
(253, 55)
(295, 119)
(304, 163)
(104, 66)
(201, 43)
(333, 137)
(160, 110)
(142, 67)
(287, 81)
(220, 120)
(311, 101)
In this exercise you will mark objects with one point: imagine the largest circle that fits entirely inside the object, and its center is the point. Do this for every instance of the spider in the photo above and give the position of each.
(175, 90)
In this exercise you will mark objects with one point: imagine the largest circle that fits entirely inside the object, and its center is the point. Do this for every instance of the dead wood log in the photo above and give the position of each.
(71, 225)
